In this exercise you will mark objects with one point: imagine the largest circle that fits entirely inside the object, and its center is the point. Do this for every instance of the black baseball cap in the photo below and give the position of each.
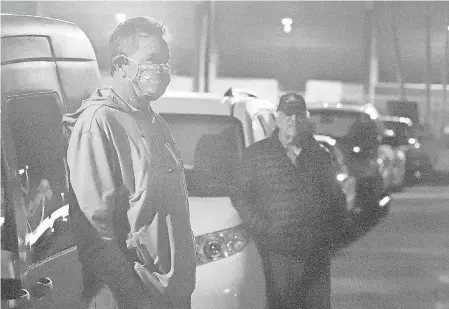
(292, 103)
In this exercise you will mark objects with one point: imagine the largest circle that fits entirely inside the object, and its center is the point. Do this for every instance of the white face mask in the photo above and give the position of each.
(152, 79)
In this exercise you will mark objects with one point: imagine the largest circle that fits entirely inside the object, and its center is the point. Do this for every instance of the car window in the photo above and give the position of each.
(336, 124)
(267, 121)
(211, 147)
(35, 122)
(259, 131)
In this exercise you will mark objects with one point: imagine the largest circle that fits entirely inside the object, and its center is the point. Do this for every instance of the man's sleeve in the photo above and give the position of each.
(243, 191)
(92, 179)
(93, 170)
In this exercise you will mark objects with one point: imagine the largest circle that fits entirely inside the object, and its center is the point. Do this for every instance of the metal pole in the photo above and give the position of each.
(397, 52)
(213, 48)
(207, 58)
(197, 36)
(428, 77)
(201, 29)
(374, 62)
(444, 73)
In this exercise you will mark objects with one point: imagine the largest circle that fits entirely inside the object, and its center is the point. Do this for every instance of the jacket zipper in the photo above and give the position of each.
(178, 162)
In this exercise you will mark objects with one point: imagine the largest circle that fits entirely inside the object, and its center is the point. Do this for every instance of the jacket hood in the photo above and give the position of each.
(99, 97)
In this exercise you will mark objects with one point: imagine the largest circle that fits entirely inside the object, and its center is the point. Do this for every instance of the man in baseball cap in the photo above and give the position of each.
(292, 103)
(293, 121)
(286, 192)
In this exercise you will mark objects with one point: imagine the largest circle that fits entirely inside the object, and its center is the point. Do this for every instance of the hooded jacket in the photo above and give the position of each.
(128, 178)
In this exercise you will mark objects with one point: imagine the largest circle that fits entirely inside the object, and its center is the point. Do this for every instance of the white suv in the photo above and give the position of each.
(212, 132)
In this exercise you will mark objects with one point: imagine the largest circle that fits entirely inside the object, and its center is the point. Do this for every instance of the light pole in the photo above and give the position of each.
(428, 72)
(205, 65)
(397, 53)
(372, 79)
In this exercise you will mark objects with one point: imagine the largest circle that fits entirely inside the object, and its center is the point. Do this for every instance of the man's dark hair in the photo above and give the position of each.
(123, 39)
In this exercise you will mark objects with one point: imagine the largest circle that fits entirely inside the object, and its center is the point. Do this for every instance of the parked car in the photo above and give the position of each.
(359, 133)
(48, 68)
(417, 160)
(347, 181)
(212, 132)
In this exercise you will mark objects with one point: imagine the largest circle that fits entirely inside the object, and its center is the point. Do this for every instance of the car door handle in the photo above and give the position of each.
(41, 287)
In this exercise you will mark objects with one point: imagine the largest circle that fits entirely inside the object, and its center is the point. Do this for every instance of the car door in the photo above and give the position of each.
(13, 295)
(49, 270)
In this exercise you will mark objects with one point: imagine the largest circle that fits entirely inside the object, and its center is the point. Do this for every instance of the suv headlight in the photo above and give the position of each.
(222, 244)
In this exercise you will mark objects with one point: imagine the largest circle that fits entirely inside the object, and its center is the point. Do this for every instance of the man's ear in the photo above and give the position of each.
(120, 63)
(121, 70)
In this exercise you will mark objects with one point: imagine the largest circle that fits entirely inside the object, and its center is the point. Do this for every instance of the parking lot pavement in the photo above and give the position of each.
(403, 262)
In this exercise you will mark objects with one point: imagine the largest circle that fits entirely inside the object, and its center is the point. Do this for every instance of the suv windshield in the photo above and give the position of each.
(210, 148)
(350, 128)
(335, 123)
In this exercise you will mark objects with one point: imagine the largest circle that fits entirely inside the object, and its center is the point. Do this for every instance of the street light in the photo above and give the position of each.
(120, 17)
(287, 22)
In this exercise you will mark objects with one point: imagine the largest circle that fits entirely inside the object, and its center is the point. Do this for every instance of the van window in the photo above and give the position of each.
(268, 122)
(259, 131)
(210, 147)
(336, 124)
(35, 122)
(25, 48)
(339, 123)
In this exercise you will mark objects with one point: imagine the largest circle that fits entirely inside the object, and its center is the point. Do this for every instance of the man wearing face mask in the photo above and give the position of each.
(131, 219)
(286, 191)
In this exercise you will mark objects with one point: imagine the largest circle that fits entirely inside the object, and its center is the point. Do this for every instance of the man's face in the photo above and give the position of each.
(293, 128)
(147, 69)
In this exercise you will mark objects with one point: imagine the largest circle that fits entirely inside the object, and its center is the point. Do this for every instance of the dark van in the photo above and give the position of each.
(48, 67)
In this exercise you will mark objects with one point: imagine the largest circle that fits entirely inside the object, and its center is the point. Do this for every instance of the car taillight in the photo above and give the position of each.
(221, 244)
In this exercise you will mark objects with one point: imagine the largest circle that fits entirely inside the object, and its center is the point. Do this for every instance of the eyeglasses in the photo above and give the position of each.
(147, 70)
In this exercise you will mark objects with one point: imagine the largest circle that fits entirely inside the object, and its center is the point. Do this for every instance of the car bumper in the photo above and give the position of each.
(234, 282)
